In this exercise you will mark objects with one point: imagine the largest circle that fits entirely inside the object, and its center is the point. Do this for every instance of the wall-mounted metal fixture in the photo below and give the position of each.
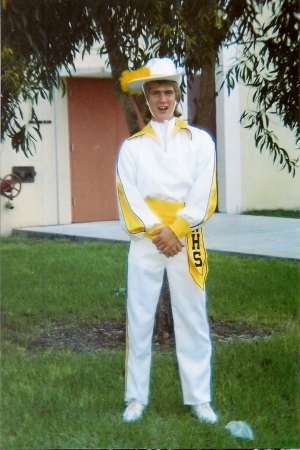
(25, 173)
(9, 204)
(10, 186)
(44, 122)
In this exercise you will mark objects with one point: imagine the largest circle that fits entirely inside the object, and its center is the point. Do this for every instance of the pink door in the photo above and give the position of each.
(97, 127)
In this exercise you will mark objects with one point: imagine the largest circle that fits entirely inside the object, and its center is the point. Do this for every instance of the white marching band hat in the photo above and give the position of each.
(156, 69)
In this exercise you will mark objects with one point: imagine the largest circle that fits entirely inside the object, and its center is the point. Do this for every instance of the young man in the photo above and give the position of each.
(166, 191)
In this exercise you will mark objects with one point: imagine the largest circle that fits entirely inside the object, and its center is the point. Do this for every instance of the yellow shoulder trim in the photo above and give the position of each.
(181, 125)
(147, 130)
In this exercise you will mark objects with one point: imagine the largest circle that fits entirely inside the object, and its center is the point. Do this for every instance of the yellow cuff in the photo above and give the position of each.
(148, 232)
(180, 227)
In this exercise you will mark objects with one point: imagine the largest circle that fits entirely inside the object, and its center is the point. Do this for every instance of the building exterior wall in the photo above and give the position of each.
(228, 144)
(62, 145)
(247, 179)
(46, 201)
(265, 185)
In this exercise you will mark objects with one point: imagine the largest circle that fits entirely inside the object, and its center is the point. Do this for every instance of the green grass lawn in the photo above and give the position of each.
(62, 399)
(287, 213)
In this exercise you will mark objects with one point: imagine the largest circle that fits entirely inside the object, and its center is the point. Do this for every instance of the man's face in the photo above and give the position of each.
(162, 101)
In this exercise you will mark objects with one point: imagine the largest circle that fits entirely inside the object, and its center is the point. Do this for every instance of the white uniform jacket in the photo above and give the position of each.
(183, 170)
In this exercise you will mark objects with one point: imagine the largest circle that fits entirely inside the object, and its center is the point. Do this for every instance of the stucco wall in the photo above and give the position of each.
(64, 212)
(229, 143)
(47, 200)
(264, 184)
(248, 179)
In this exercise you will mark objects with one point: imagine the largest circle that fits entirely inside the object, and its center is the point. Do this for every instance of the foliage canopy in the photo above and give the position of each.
(41, 36)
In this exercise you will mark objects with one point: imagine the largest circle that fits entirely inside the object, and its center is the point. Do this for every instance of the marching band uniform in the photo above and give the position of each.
(166, 177)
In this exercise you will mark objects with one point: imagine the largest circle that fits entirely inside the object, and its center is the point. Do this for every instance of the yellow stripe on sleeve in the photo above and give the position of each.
(133, 223)
(212, 202)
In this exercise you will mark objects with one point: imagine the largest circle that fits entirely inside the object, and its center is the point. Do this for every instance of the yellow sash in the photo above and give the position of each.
(197, 257)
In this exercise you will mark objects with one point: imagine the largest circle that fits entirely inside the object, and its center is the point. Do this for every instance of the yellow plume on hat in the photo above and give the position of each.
(128, 75)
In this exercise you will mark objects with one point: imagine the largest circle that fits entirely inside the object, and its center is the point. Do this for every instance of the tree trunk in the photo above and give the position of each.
(118, 64)
(207, 93)
(163, 320)
(164, 327)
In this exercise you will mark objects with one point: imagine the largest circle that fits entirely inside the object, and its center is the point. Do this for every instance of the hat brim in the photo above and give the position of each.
(137, 85)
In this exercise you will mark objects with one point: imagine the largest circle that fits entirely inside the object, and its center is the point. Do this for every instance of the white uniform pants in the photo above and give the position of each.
(193, 346)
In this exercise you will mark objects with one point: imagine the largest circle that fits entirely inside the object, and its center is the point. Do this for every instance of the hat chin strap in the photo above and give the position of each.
(171, 115)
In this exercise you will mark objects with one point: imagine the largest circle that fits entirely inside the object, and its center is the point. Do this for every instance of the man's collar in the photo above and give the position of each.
(147, 130)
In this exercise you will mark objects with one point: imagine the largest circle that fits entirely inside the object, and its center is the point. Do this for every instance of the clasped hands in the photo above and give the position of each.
(166, 242)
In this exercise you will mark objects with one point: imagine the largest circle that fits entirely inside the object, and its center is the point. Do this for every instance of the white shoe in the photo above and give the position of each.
(204, 413)
(133, 411)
